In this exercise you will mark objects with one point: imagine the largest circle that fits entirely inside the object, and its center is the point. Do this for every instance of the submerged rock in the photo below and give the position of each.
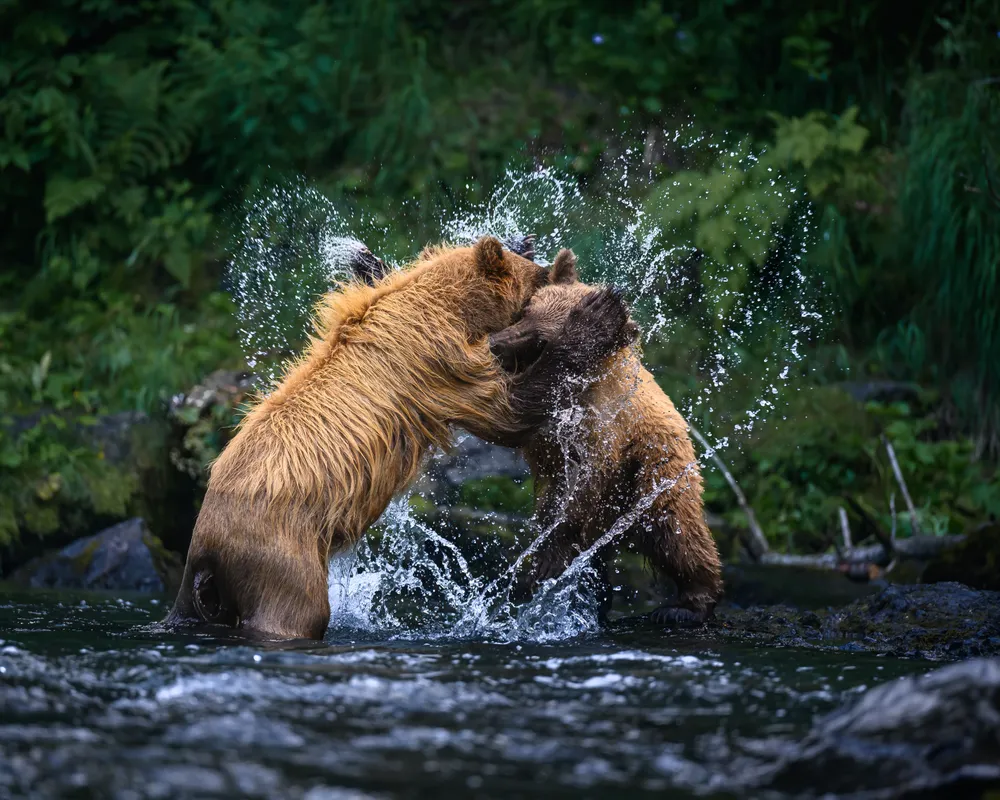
(936, 621)
(911, 737)
(125, 557)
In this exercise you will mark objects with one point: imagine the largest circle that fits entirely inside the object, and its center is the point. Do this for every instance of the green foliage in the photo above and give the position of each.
(952, 334)
(796, 475)
(129, 130)
(51, 474)
(819, 145)
(498, 494)
(49, 478)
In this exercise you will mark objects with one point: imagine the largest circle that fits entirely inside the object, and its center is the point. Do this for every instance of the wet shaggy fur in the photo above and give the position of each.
(627, 453)
(390, 368)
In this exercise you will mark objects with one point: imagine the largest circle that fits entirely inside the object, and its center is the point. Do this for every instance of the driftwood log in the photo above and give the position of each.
(915, 548)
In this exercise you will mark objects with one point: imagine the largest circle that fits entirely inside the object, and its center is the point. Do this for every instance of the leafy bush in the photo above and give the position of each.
(798, 474)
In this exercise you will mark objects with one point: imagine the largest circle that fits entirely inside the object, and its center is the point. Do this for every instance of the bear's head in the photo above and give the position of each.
(520, 345)
(491, 283)
(490, 286)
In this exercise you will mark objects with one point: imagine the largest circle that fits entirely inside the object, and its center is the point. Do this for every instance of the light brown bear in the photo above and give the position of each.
(625, 460)
(389, 369)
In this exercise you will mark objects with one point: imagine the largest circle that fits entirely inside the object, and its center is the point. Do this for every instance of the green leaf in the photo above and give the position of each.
(177, 261)
(63, 196)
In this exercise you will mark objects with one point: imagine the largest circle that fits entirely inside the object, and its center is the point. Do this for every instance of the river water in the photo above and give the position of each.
(96, 701)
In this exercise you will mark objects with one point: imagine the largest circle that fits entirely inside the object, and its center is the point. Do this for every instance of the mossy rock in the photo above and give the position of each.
(125, 557)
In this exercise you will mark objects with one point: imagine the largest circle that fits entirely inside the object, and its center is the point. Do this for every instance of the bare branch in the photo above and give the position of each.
(870, 559)
(845, 528)
(902, 485)
(755, 542)
(647, 149)
(892, 509)
(891, 548)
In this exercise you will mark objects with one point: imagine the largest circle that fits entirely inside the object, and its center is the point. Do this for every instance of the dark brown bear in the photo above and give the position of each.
(624, 460)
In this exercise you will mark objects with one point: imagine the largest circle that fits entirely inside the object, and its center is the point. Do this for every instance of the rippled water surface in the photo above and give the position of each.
(96, 703)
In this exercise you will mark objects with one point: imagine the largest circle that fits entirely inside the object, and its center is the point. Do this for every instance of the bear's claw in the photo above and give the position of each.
(524, 246)
(600, 323)
(677, 617)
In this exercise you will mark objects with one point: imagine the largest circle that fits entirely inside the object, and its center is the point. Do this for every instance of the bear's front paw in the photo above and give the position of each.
(677, 617)
(524, 246)
(599, 324)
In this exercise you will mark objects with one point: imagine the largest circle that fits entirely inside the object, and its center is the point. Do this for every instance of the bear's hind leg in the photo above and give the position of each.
(689, 557)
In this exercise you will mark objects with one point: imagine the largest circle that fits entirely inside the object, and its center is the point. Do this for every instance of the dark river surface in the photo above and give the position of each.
(96, 702)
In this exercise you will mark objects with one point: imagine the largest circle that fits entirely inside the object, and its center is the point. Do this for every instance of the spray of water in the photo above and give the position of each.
(411, 580)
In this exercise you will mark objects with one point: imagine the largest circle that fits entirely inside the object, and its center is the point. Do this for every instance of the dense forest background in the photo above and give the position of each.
(130, 131)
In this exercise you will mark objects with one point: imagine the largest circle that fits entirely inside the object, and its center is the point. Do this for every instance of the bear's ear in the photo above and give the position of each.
(366, 266)
(564, 268)
(488, 254)
(430, 251)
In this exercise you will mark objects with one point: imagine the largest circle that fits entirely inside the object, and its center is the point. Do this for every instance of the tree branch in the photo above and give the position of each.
(902, 485)
(754, 540)
(845, 528)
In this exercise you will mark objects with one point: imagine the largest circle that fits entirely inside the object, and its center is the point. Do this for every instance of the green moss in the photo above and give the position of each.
(81, 563)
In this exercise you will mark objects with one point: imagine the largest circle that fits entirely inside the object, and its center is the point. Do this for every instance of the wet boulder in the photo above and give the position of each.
(912, 737)
(125, 557)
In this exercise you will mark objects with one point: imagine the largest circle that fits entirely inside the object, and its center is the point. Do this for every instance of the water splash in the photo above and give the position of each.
(292, 244)
(415, 583)
(412, 580)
